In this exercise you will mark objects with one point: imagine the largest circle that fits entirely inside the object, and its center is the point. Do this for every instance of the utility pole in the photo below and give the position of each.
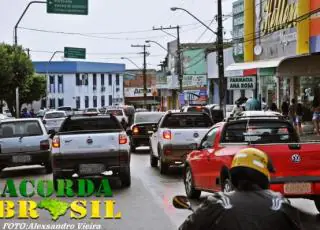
(145, 89)
(179, 63)
(220, 58)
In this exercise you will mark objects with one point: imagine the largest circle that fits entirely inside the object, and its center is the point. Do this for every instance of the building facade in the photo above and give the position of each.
(281, 42)
(134, 90)
(82, 84)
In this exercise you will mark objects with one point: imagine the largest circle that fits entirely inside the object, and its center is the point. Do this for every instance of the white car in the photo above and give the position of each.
(91, 111)
(52, 120)
(118, 113)
(176, 135)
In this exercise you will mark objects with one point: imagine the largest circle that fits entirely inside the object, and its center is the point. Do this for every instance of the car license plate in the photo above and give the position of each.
(89, 169)
(298, 188)
(21, 159)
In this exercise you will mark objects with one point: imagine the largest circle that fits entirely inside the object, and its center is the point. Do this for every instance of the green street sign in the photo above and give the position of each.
(78, 7)
(78, 53)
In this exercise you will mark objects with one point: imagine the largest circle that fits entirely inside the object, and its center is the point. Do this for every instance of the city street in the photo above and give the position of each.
(145, 205)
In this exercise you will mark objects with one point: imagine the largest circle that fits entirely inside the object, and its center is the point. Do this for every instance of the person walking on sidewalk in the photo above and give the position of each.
(316, 114)
(293, 112)
(299, 115)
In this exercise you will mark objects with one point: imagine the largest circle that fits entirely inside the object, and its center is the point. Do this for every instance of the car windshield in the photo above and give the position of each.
(187, 121)
(90, 124)
(147, 117)
(20, 129)
(198, 109)
(64, 109)
(115, 112)
(259, 132)
(54, 115)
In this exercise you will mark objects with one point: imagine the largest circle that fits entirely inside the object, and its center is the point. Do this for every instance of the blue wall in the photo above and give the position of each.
(78, 67)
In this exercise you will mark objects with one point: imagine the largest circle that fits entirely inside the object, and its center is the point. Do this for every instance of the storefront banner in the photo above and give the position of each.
(136, 92)
(194, 81)
(236, 83)
(196, 96)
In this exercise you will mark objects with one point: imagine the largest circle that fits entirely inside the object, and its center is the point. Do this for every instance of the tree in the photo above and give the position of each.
(16, 68)
(33, 90)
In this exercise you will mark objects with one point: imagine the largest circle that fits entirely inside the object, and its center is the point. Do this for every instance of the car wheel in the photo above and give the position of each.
(189, 185)
(125, 178)
(317, 203)
(132, 149)
(48, 167)
(153, 160)
(164, 167)
(227, 185)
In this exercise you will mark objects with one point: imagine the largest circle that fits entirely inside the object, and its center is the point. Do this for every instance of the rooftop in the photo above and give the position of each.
(77, 67)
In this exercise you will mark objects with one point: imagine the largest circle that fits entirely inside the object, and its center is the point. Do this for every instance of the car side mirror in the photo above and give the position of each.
(51, 133)
(44, 121)
(155, 129)
(129, 132)
(181, 202)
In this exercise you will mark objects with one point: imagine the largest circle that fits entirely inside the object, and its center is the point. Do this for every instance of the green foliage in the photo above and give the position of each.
(34, 89)
(16, 71)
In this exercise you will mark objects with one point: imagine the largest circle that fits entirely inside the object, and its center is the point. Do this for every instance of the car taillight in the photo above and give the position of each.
(122, 139)
(56, 142)
(167, 135)
(44, 145)
(135, 130)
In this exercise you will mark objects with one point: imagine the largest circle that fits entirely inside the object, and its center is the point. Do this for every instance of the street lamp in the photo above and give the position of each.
(151, 41)
(125, 58)
(219, 50)
(178, 8)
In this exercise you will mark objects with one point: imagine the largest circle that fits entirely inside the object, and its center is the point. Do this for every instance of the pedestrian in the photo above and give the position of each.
(264, 105)
(299, 115)
(274, 107)
(285, 109)
(292, 112)
(316, 114)
(251, 205)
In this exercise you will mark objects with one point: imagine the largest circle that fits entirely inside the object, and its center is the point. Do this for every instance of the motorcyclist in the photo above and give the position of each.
(251, 205)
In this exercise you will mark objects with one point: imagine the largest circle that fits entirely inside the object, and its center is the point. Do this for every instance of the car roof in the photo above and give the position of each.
(82, 117)
(19, 119)
(260, 113)
(149, 113)
(56, 111)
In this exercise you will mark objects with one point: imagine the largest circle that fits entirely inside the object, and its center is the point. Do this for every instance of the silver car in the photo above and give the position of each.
(24, 142)
(52, 120)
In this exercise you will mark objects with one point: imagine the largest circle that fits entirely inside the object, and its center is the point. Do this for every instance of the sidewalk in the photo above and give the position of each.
(308, 133)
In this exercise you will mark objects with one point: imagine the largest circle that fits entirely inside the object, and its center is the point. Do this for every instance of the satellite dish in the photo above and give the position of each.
(258, 50)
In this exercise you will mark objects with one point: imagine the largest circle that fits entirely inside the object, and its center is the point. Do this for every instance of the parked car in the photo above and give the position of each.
(91, 146)
(297, 164)
(24, 142)
(91, 111)
(143, 124)
(69, 111)
(175, 136)
(118, 113)
(52, 120)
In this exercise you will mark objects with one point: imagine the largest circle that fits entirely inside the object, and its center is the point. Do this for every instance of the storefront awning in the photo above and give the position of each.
(306, 65)
(255, 65)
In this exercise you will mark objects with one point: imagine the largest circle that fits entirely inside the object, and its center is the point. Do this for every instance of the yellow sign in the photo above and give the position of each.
(278, 14)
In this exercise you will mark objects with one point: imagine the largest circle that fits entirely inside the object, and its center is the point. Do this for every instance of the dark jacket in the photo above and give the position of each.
(253, 210)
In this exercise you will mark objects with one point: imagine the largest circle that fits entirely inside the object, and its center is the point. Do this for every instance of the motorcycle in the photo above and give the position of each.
(308, 220)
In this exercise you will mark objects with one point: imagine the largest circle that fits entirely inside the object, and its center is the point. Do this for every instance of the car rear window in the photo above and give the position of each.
(147, 117)
(187, 121)
(90, 124)
(198, 109)
(259, 132)
(115, 112)
(92, 110)
(20, 129)
(54, 115)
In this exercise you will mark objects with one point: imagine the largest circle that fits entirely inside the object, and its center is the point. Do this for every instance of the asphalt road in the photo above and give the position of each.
(145, 205)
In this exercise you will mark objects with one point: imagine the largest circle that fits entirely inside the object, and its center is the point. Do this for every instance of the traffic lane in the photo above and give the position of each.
(162, 187)
(137, 205)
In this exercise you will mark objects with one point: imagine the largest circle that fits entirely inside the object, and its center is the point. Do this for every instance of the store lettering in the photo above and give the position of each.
(241, 85)
(140, 91)
(278, 14)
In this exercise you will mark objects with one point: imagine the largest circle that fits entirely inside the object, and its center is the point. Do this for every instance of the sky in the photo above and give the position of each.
(111, 27)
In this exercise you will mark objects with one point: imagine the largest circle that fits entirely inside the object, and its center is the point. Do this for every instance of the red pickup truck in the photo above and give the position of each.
(297, 164)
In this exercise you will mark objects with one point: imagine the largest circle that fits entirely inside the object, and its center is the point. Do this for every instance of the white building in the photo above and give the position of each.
(82, 84)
